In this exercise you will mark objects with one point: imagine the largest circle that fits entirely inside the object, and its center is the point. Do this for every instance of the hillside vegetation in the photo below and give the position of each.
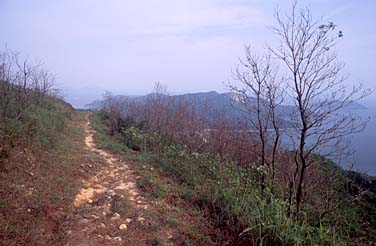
(38, 163)
(217, 177)
(171, 170)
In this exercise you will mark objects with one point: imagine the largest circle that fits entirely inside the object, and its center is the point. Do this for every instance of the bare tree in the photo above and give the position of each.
(317, 88)
(116, 107)
(42, 84)
(24, 83)
(158, 105)
(306, 64)
(259, 96)
(6, 61)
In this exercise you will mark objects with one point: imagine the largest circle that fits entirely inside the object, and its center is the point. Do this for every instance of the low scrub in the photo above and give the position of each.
(37, 167)
(31, 114)
(38, 127)
(231, 197)
(39, 177)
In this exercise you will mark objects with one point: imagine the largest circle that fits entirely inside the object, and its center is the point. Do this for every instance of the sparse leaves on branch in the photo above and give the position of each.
(305, 64)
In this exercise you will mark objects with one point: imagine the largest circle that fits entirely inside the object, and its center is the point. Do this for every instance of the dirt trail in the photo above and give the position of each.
(109, 208)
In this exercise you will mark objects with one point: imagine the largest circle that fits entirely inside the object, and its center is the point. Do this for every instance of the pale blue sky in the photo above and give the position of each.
(189, 45)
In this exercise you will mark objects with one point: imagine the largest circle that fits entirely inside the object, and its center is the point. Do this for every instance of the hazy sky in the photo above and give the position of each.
(189, 45)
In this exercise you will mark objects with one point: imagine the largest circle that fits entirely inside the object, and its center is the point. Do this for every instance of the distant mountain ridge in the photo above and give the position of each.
(214, 103)
(211, 103)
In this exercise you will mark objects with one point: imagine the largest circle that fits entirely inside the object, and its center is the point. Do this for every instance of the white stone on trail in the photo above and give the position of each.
(128, 220)
(133, 193)
(122, 227)
(86, 195)
(110, 193)
(94, 216)
(118, 239)
(84, 221)
(115, 216)
(140, 219)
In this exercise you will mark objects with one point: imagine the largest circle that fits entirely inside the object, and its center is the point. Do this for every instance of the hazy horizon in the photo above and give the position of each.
(190, 46)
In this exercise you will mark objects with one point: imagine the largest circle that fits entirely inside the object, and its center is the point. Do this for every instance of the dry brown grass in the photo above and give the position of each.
(37, 188)
(38, 191)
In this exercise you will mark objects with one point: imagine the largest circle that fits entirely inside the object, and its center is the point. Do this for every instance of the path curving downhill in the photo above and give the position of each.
(108, 209)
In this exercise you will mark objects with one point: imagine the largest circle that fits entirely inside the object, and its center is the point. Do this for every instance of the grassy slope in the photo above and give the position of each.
(38, 183)
(225, 204)
(199, 183)
(40, 179)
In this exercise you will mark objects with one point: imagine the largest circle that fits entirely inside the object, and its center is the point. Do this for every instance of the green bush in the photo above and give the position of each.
(233, 197)
(99, 122)
(133, 138)
(151, 187)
